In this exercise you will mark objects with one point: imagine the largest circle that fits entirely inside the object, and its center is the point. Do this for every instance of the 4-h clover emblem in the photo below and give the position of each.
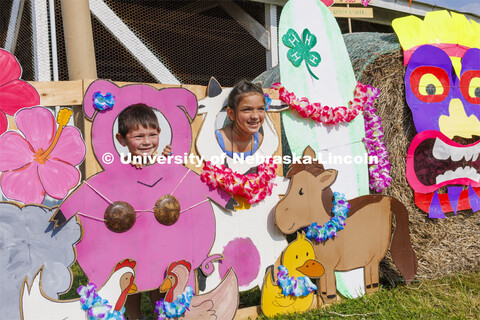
(300, 49)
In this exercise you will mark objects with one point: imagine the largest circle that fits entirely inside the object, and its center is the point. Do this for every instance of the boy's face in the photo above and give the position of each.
(140, 141)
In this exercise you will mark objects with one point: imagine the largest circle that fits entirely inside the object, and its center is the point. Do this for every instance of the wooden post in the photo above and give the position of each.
(77, 28)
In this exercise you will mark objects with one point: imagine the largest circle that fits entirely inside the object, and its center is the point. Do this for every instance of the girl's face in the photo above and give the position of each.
(249, 114)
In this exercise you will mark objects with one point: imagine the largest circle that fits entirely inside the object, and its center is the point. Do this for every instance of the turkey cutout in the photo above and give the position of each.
(219, 303)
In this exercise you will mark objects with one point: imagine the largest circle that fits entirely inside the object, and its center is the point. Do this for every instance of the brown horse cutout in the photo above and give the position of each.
(365, 239)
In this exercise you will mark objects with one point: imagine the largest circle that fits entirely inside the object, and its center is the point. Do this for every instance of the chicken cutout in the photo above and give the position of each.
(442, 84)
(248, 238)
(148, 242)
(35, 305)
(299, 259)
(220, 303)
(365, 239)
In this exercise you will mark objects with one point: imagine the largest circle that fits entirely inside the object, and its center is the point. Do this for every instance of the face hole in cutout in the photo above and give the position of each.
(222, 120)
(164, 139)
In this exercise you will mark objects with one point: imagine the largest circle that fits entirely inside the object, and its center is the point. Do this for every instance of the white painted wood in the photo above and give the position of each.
(131, 42)
(335, 86)
(41, 41)
(14, 25)
(247, 22)
(256, 223)
(271, 25)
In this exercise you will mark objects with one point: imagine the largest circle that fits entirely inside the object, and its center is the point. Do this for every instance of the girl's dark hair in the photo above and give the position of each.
(241, 89)
(135, 115)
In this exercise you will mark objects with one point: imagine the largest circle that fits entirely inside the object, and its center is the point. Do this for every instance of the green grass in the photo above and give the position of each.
(452, 297)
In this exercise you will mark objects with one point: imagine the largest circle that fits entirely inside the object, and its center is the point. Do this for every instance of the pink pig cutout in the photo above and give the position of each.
(153, 245)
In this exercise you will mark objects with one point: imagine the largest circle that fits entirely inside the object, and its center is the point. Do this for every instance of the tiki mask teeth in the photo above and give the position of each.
(436, 161)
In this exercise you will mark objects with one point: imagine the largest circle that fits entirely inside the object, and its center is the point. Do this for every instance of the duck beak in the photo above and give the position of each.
(133, 288)
(312, 268)
(167, 284)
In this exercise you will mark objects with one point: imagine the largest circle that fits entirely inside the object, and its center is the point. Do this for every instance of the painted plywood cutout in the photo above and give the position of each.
(248, 239)
(179, 302)
(41, 158)
(442, 83)
(145, 240)
(329, 80)
(289, 295)
(107, 302)
(28, 243)
(348, 234)
(15, 94)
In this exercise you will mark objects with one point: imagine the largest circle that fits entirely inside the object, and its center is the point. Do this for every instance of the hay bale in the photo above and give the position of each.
(443, 246)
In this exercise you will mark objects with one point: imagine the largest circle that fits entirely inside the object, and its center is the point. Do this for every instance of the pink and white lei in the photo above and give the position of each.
(254, 186)
(325, 114)
(362, 101)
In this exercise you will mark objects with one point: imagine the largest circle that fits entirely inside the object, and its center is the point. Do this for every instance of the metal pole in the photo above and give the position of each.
(77, 27)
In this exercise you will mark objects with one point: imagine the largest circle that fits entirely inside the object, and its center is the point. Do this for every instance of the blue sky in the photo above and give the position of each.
(467, 6)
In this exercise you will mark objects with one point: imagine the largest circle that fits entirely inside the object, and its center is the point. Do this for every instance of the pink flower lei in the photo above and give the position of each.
(325, 114)
(254, 186)
(363, 101)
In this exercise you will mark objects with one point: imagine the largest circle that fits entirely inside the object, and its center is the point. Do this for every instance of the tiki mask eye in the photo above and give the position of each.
(300, 192)
(470, 86)
(430, 84)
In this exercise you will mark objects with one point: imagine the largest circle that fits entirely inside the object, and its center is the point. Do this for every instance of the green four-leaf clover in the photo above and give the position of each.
(300, 49)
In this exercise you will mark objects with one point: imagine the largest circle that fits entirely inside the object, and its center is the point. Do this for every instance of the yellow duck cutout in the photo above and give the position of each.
(299, 259)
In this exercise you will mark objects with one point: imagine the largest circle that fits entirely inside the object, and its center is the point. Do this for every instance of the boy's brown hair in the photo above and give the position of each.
(135, 115)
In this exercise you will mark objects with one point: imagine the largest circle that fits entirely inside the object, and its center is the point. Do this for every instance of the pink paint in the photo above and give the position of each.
(241, 255)
(153, 245)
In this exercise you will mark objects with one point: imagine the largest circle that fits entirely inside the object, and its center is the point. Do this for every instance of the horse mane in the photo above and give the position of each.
(313, 168)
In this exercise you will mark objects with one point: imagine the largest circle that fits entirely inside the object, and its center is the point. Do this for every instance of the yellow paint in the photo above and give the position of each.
(273, 301)
(243, 203)
(474, 84)
(436, 28)
(425, 80)
(457, 123)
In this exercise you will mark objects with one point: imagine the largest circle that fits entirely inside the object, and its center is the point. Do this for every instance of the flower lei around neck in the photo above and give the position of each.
(362, 101)
(96, 307)
(176, 308)
(336, 223)
(254, 186)
(300, 287)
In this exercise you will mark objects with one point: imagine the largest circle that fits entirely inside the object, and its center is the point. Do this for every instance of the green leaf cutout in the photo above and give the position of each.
(300, 49)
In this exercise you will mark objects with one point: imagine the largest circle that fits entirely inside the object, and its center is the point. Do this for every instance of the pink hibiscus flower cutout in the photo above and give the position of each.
(43, 160)
(15, 94)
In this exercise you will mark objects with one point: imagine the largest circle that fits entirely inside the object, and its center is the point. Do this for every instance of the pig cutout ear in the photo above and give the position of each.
(188, 104)
(100, 97)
